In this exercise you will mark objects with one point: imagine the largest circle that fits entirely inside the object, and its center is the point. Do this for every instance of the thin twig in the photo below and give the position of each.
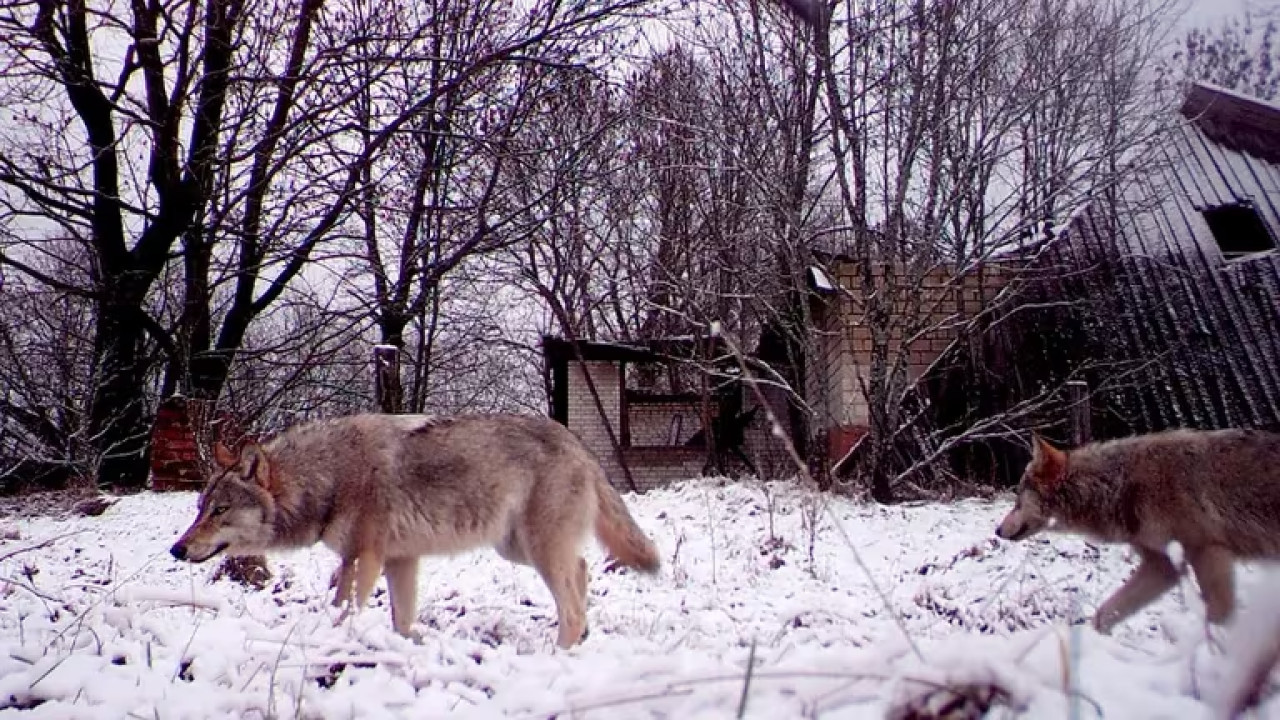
(37, 546)
(29, 588)
(271, 684)
(684, 687)
(746, 681)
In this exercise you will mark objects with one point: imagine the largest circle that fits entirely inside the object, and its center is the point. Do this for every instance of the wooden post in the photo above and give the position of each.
(1078, 409)
(386, 378)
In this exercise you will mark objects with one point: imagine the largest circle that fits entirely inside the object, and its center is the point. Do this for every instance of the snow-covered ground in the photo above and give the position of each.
(888, 606)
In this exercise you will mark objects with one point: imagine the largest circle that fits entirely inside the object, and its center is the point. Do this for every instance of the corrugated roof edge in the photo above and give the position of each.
(1235, 120)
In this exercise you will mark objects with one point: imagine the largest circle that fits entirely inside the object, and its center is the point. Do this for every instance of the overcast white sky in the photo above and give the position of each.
(1200, 12)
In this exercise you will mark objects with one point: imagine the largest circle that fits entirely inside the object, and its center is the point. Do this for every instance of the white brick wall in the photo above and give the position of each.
(652, 468)
(653, 424)
(649, 468)
(584, 416)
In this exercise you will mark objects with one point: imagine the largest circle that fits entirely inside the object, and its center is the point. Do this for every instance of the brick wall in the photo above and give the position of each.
(844, 339)
(650, 467)
(175, 458)
(182, 438)
(655, 467)
(584, 418)
(767, 452)
(654, 424)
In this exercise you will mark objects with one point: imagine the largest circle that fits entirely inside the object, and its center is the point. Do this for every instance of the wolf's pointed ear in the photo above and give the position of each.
(223, 456)
(253, 463)
(1048, 464)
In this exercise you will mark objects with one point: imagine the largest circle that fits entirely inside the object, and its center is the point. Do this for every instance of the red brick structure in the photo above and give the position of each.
(181, 442)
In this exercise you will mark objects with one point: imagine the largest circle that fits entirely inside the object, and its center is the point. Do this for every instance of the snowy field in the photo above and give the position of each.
(101, 622)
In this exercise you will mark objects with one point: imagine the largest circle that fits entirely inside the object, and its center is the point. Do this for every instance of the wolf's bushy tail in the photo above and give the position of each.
(618, 531)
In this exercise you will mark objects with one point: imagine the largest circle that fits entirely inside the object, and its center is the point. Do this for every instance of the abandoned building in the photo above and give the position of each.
(928, 321)
(1162, 302)
(1174, 312)
(642, 408)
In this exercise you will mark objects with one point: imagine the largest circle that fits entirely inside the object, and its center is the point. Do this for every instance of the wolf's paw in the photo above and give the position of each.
(1101, 624)
(413, 635)
(342, 616)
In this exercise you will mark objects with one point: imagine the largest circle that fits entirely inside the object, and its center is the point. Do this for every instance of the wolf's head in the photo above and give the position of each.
(1043, 475)
(236, 509)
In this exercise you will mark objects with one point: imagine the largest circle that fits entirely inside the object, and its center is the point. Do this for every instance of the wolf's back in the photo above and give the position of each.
(1205, 459)
(1222, 486)
(1243, 477)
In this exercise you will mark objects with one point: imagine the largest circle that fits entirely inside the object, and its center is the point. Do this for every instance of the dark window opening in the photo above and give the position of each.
(1238, 230)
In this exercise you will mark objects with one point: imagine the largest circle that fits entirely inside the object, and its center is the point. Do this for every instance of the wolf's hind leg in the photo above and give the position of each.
(1213, 566)
(368, 568)
(341, 581)
(580, 580)
(1154, 576)
(580, 587)
(402, 583)
(560, 568)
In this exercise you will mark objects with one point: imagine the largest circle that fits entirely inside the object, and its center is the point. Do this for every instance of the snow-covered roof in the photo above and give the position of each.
(1237, 121)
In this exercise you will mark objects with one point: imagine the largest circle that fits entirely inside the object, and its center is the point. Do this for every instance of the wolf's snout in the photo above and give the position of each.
(1012, 528)
(179, 551)
(1004, 534)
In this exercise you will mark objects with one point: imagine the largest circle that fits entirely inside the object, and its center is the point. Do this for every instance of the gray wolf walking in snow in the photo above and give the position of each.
(1216, 493)
(383, 490)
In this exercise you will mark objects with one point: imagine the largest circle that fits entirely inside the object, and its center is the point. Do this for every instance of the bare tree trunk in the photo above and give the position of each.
(386, 378)
(118, 427)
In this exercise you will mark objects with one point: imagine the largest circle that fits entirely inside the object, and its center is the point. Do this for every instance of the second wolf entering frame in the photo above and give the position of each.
(1214, 493)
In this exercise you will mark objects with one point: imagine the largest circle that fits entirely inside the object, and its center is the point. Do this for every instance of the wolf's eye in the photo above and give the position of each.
(219, 510)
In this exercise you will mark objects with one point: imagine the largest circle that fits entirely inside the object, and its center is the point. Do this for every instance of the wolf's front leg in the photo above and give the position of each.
(342, 582)
(355, 580)
(402, 584)
(1154, 576)
(368, 568)
(1214, 567)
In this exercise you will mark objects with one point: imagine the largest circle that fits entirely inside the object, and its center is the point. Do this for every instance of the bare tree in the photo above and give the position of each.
(686, 195)
(45, 360)
(426, 203)
(364, 158)
(575, 188)
(771, 62)
(104, 157)
(216, 132)
(960, 132)
(1242, 53)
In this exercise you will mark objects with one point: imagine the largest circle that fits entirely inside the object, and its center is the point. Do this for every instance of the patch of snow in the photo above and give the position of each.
(103, 623)
(821, 281)
(1253, 645)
